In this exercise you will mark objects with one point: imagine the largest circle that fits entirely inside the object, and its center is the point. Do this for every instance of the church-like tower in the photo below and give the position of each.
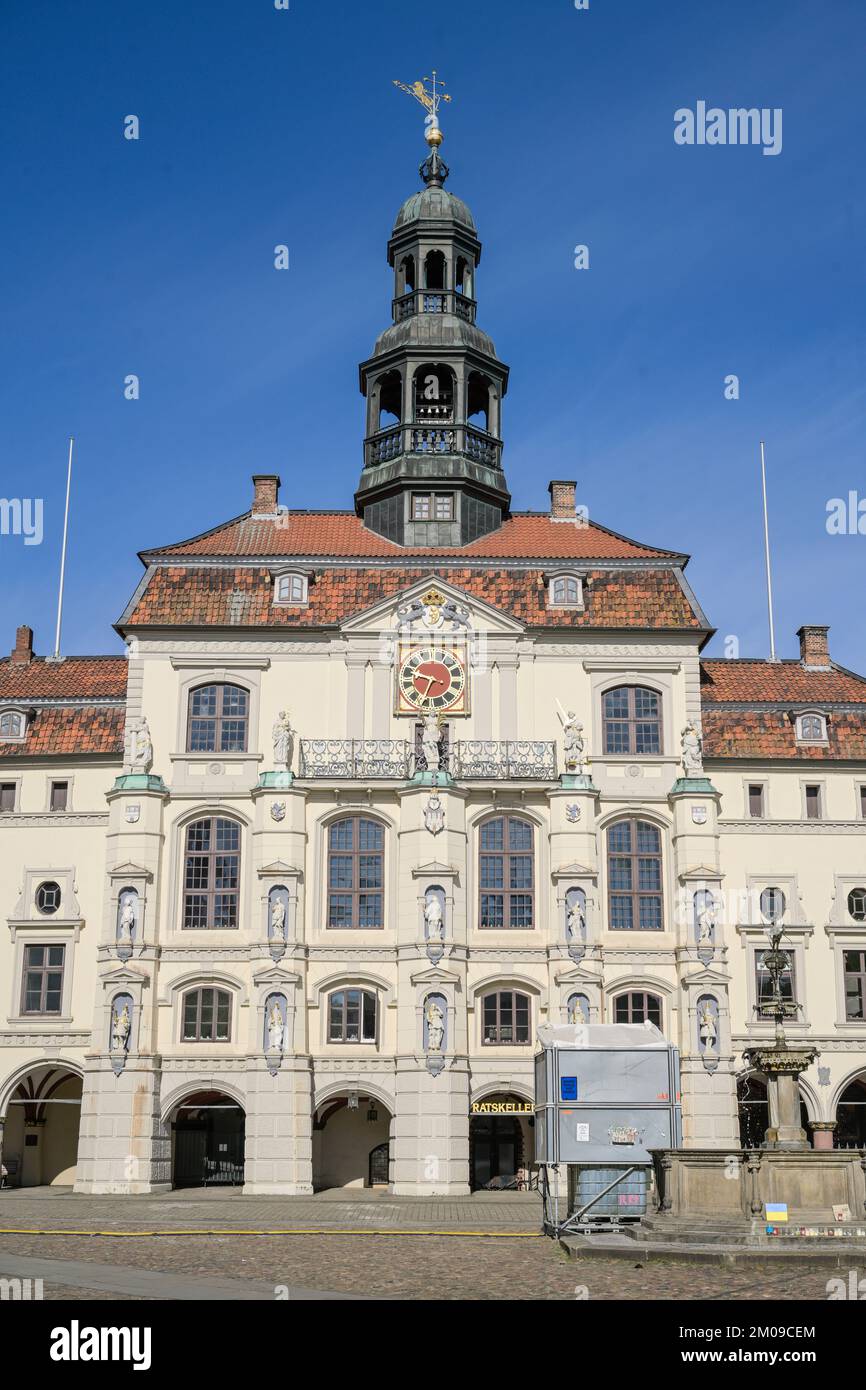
(432, 472)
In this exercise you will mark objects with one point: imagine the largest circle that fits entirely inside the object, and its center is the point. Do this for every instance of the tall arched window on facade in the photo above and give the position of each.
(356, 873)
(634, 876)
(632, 720)
(218, 719)
(505, 1018)
(506, 873)
(212, 871)
(638, 1007)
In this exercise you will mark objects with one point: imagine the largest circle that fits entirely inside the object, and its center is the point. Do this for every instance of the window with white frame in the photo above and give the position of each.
(565, 591)
(352, 1016)
(291, 589)
(13, 726)
(811, 728)
(207, 1016)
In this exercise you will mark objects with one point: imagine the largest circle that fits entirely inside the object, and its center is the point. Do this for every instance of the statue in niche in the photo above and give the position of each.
(275, 1028)
(434, 920)
(283, 738)
(120, 1026)
(431, 734)
(692, 749)
(572, 740)
(278, 919)
(435, 1026)
(577, 1012)
(127, 919)
(706, 916)
(707, 1026)
(575, 917)
(138, 747)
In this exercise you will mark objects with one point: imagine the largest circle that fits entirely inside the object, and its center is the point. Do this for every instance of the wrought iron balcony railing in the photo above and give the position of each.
(355, 757)
(502, 760)
(396, 758)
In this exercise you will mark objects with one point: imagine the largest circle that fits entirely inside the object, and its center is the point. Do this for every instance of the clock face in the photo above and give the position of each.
(431, 679)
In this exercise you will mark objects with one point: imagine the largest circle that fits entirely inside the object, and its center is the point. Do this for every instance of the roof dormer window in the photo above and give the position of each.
(13, 726)
(291, 589)
(811, 727)
(565, 591)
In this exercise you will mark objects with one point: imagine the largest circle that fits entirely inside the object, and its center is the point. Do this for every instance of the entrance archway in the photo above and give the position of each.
(40, 1134)
(351, 1142)
(208, 1136)
(501, 1142)
(850, 1130)
(754, 1111)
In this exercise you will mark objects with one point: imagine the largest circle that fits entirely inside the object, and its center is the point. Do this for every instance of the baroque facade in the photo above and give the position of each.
(289, 887)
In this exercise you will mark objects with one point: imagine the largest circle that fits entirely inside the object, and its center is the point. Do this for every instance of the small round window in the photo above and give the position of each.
(773, 904)
(857, 904)
(48, 897)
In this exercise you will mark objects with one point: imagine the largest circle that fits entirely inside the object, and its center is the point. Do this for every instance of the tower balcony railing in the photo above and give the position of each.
(405, 306)
(397, 759)
(433, 437)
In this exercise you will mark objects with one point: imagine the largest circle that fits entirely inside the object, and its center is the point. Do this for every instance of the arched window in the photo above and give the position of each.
(505, 1018)
(434, 270)
(352, 1016)
(212, 871)
(11, 725)
(632, 720)
(433, 391)
(638, 1007)
(506, 873)
(566, 591)
(291, 589)
(218, 717)
(634, 874)
(812, 728)
(207, 1016)
(356, 873)
(388, 401)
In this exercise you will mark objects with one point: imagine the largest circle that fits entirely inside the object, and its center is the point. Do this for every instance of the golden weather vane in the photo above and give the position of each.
(429, 98)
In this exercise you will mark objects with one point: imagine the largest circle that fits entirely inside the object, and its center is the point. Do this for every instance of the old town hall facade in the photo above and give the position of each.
(288, 889)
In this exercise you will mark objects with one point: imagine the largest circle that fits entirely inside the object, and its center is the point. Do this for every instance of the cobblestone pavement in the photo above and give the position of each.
(394, 1266)
(513, 1262)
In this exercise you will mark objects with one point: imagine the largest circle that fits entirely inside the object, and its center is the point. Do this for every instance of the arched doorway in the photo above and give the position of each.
(501, 1142)
(208, 1135)
(850, 1130)
(351, 1142)
(754, 1111)
(40, 1135)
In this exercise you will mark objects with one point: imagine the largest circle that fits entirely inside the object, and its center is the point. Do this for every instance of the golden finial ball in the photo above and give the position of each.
(433, 135)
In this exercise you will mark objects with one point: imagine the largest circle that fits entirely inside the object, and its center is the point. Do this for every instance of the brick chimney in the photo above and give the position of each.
(266, 490)
(22, 652)
(814, 647)
(562, 500)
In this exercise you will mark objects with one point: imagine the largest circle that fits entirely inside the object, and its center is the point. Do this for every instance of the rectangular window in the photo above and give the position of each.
(59, 796)
(421, 505)
(42, 991)
(444, 506)
(7, 796)
(855, 986)
(813, 803)
(863, 802)
(756, 800)
(764, 983)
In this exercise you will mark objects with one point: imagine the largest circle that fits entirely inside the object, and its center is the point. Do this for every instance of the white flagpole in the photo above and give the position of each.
(63, 553)
(767, 557)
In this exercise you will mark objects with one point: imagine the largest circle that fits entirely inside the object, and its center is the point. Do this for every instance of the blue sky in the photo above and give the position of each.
(261, 127)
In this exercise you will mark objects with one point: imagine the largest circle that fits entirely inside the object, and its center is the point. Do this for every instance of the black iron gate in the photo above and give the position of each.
(209, 1147)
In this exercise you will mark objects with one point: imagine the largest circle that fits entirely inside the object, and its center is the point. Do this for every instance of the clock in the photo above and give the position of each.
(431, 678)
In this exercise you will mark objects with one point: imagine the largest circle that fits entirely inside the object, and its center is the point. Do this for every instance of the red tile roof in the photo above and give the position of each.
(772, 734)
(242, 597)
(525, 535)
(74, 678)
(758, 681)
(56, 730)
